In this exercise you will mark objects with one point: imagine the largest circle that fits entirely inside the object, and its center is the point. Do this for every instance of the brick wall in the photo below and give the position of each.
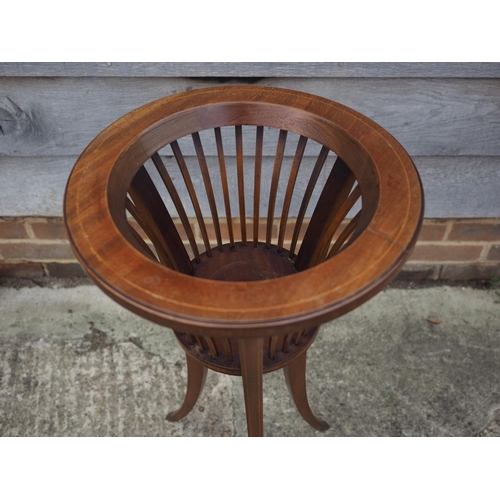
(448, 249)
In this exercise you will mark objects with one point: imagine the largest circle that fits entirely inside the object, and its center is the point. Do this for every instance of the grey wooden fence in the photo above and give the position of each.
(446, 115)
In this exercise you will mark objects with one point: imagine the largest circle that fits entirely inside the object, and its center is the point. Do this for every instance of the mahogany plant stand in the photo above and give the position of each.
(250, 301)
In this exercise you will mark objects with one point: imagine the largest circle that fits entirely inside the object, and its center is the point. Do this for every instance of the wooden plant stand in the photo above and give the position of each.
(250, 301)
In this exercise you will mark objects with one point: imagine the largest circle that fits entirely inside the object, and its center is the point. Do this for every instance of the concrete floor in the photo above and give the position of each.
(74, 363)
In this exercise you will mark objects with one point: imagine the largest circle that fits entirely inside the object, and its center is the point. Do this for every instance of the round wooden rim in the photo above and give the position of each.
(196, 305)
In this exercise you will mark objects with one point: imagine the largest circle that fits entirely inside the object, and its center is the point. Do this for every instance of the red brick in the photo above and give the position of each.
(12, 229)
(287, 244)
(468, 231)
(53, 229)
(145, 237)
(342, 226)
(21, 270)
(237, 229)
(290, 227)
(210, 227)
(180, 227)
(28, 249)
(432, 231)
(440, 253)
(138, 229)
(494, 253)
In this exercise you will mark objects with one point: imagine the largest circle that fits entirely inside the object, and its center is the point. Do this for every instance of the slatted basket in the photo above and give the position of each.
(220, 213)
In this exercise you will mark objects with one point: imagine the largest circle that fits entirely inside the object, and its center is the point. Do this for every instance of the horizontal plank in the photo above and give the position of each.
(454, 186)
(35, 186)
(428, 116)
(253, 69)
(460, 187)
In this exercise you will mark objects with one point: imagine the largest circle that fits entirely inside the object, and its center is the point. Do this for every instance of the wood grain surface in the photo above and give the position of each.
(254, 69)
(455, 186)
(443, 117)
(448, 121)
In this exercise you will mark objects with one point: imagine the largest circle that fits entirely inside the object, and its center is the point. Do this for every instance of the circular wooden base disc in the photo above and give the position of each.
(244, 263)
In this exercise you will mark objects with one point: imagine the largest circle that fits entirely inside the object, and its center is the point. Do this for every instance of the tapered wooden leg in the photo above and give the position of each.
(251, 357)
(196, 375)
(295, 376)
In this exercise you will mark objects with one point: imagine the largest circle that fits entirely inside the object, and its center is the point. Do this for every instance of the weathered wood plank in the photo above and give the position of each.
(428, 116)
(461, 187)
(253, 70)
(33, 186)
(454, 186)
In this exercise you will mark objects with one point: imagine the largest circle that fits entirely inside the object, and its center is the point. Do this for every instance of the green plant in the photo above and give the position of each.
(495, 286)
(494, 283)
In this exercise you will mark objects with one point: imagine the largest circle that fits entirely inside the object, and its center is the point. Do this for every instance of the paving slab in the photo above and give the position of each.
(409, 362)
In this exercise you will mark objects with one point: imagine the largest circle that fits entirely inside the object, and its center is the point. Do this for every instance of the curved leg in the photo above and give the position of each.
(252, 360)
(196, 375)
(295, 376)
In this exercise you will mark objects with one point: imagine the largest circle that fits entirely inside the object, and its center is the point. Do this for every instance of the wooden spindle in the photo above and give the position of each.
(212, 347)
(286, 342)
(226, 347)
(273, 342)
(323, 154)
(241, 182)
(174, 195)
(158, 224)
(340, 215)
(201, 344)
(208, 186)
(225, 186)
(344, 235)
(280, 151)
(151, 231)
(144, 246)
(256, 184)
(297, 337)
(333, 196)
(192, 194)
(301, 146)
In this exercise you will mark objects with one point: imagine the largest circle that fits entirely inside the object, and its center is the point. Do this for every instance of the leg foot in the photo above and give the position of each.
(295, 376)
(196, 375)
(251, 357)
